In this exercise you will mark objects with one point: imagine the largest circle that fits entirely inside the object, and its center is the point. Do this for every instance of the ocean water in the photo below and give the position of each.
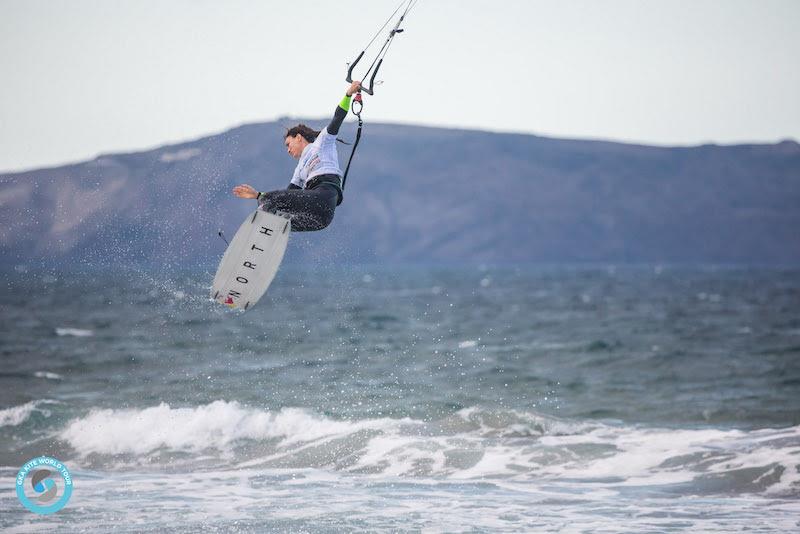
(419, 399)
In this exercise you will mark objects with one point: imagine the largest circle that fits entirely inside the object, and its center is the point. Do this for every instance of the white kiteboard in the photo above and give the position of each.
(251, 260)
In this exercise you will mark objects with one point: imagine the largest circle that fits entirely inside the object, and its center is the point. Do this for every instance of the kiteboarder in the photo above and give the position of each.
(316, 186)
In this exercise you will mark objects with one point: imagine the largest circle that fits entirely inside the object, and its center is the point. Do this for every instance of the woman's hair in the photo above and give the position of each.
(308, 134)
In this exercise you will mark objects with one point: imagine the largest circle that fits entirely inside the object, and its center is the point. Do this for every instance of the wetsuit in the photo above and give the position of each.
(316, 186)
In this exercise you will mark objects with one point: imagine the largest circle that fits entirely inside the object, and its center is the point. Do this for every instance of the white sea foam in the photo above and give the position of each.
(266, 500)
(16, 415)
(76, 332)
(467, 344)
(217, 425)
(48, 375)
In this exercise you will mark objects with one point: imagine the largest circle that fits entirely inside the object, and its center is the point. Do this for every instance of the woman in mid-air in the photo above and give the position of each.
(316, 186)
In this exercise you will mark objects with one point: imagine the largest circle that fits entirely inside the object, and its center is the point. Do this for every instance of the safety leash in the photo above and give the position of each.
(356, 100)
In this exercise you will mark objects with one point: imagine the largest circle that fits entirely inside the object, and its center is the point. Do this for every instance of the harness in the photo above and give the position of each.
(330, 179)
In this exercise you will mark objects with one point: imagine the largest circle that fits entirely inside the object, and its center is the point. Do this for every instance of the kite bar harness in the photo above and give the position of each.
(378, 61)
(358, 103)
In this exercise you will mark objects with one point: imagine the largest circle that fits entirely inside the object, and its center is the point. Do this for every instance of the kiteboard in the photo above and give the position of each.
(251, 260)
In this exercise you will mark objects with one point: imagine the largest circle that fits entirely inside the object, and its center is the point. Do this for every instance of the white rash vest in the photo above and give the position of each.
(319, 157)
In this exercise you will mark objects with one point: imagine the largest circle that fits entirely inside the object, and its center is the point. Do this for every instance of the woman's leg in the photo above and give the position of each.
(310, 210)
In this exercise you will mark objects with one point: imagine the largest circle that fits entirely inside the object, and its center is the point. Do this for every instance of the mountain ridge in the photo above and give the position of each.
(422, 193)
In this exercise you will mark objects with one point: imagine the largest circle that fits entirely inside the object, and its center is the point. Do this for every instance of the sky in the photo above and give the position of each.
(80, 78)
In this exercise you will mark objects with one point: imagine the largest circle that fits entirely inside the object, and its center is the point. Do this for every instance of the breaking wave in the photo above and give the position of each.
(472, 444)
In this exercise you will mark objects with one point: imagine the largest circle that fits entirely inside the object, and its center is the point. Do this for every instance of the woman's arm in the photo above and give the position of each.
(342, 109)
(248, 191)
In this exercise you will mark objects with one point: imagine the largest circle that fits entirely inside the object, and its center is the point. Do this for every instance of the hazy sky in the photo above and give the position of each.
(85, 77)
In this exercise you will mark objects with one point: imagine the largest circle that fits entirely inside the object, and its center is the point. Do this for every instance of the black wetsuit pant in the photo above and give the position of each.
(310, 209)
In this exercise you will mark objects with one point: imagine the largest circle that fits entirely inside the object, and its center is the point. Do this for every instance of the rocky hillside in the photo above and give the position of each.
(420, 195)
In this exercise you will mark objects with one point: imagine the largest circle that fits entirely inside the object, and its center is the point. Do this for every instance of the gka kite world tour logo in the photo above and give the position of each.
(49, 487)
